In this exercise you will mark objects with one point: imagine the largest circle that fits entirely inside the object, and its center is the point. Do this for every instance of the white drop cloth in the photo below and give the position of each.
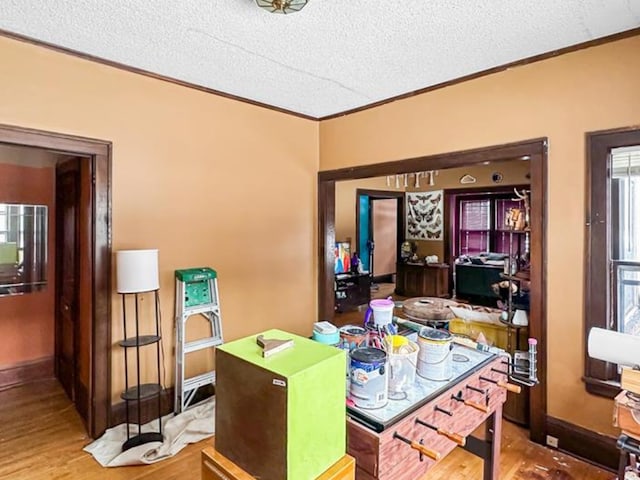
(192, 425)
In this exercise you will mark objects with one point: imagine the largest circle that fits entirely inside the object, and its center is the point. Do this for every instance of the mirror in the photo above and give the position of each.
(23, 248)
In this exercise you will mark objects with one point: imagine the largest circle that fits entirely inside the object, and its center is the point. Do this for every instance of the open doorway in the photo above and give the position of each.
(535, 152)
(379, 215)
(77, 310)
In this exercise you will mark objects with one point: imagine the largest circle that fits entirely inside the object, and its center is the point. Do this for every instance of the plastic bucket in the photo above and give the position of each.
(403, 357)
(382, 311)
(352, 337)
(369, 378)
(434, 357)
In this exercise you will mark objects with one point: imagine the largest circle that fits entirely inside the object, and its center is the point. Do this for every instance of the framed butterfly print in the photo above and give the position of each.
(425, 215)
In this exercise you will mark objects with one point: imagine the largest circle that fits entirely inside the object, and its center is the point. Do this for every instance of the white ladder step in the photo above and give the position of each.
(201, 344)
(199, 381)
(210, 307)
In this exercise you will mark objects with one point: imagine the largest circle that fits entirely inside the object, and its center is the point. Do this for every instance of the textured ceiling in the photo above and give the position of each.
(333, 56)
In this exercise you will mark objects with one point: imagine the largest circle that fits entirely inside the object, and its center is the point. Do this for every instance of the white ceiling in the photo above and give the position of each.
(333, 56)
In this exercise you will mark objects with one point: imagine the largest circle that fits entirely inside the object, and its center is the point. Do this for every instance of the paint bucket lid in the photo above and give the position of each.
(353, 330)
(382, 304)
(435, 334)
(369, 355)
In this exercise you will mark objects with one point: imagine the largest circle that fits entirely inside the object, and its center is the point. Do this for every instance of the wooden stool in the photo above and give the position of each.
(217, 467)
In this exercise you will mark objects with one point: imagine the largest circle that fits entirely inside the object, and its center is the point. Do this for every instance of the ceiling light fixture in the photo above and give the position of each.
(282, 6)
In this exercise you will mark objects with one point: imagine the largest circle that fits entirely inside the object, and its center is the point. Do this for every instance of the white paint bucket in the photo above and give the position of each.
(434, 358)
(382, 311)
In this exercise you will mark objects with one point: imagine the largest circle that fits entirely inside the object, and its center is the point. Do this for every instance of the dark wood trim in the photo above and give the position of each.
(601, 378)
(147, 73)
(326, 242)
(149, 406)
(53, 142)
(536, 150)
(25, 372)
(148, 409)
(585, 444)
(538, 297)
(98, 153)
(82, 400)
(604, 388)
(101, 340)
(501, 68)
(507, 151)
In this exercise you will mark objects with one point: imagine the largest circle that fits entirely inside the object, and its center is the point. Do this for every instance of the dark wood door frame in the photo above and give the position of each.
(381, 195)
(536, 150)
(98, 154)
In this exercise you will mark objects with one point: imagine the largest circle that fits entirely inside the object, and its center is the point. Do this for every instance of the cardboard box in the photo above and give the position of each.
(626, 415)
(496, 335)
(630, 380)
(282, 417)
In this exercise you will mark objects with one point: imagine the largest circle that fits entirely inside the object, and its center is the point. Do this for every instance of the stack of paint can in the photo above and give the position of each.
(351, 337)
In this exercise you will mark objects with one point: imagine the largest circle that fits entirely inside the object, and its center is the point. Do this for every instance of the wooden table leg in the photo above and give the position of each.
(493, 438)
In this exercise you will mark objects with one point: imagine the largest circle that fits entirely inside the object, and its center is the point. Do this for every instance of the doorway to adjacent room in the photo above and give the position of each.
(535, 151)
(78, 305)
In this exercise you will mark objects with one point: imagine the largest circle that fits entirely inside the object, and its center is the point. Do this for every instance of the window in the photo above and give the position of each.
(612, 297)
(482, 225)
(11, 232)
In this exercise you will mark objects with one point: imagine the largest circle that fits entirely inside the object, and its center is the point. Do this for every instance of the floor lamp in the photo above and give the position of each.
(137, 276)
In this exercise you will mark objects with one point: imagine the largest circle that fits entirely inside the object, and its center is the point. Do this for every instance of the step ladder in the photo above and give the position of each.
(196, 294)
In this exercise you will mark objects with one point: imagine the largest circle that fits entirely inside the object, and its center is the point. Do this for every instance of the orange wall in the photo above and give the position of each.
(560, 98)
(207, 180)
(27, 321)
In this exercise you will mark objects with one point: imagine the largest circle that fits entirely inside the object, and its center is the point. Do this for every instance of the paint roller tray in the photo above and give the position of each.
(465, 363)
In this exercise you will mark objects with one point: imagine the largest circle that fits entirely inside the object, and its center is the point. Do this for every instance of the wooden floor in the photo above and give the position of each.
(41, 437)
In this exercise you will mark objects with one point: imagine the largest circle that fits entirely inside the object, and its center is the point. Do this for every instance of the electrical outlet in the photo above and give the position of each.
(552, 441)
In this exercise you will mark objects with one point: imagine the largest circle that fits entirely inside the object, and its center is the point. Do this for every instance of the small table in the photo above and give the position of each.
(372, 434)
(216, 466)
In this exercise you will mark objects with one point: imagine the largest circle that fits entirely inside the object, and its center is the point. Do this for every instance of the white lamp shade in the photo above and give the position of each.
(137, 271)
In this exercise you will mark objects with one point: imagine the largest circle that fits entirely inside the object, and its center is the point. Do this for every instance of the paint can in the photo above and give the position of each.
(369, 378)
(352, 337)
(434, 357)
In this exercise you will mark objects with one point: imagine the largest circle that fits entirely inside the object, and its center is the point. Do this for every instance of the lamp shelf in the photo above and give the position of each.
(144, 391)
(139, 341)
(141, 439)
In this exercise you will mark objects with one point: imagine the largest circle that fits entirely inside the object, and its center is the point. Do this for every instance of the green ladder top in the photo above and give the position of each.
(196, 274)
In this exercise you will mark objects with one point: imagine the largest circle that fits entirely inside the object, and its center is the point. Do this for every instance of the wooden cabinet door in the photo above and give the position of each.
(66, 313)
